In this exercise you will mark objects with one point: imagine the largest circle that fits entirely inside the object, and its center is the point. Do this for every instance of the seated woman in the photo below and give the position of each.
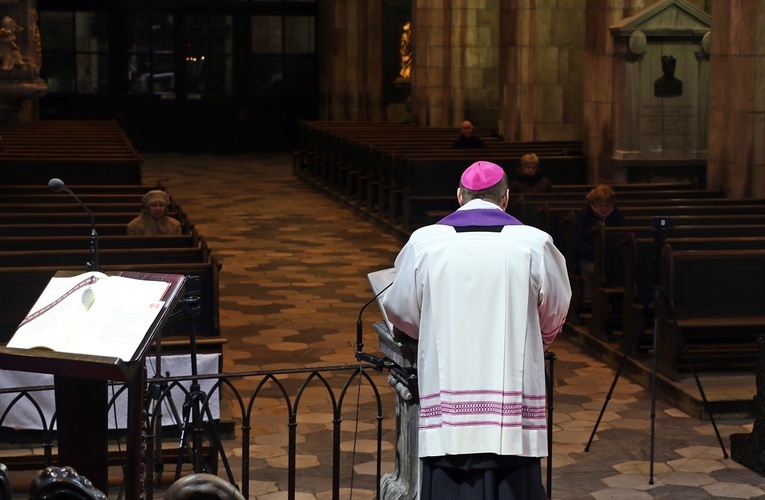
(154, 219)
(600, 207)
(528, 178)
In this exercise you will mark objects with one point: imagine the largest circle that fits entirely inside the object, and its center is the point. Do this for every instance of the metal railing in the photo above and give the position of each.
(290, 386)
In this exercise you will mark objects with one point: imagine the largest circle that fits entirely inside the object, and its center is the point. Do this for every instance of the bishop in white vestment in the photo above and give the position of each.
(485, 296)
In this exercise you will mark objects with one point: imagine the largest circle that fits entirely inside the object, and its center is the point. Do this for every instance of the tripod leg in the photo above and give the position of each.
(633, 344)
(655, 358)
(184, 430)
(684, 348)
(218, 443)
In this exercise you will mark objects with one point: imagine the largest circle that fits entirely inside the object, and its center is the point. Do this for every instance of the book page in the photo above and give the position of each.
(107, 318)
(115, 330)
(119, 318)
(59, 308)
(380, 281)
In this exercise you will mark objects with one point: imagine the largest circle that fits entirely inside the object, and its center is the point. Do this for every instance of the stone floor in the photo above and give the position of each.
(292, 285)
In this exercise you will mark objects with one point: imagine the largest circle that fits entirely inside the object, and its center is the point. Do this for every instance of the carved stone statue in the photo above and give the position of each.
(10, 54)
(406, 53)
(20, 58)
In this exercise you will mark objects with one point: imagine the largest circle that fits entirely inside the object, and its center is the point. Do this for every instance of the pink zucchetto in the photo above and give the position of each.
(481, 175)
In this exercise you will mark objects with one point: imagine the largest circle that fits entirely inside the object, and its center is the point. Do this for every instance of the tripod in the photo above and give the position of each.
(658, 297)
(194, 405)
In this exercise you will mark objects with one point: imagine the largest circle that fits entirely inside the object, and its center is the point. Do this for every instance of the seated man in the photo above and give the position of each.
(154, 219)
(467, 140)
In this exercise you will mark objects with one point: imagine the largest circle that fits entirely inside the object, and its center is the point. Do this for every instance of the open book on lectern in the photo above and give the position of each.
(92, 314)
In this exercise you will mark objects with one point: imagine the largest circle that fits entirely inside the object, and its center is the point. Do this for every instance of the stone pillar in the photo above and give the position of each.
(736, 154)
(351, 78)
(456, 62)
(541, 61)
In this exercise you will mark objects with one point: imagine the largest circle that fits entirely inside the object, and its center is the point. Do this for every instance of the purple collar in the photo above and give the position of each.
(479, 217)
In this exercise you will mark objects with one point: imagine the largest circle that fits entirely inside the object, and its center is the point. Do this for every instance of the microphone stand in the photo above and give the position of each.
(57, 186)
(377, 362)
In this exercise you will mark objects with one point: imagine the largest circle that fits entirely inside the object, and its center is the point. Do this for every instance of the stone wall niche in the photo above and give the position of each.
(661, 88)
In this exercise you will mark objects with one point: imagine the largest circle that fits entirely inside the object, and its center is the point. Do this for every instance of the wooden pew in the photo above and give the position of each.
(107, 257)
(717, 297)
(80, 190)
(121, 241)
(87, 152)
(431, 184)
(81, 229)
(563, 238)
(625, 267)
(74, 217)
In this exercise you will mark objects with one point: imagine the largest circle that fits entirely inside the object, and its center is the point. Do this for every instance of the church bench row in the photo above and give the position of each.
(73, 217)
(79, 170)
(109, 241)
(107, 256)
(323, 140)
(429, 183)
(21, 286)
(66, 199)
(92, 153)
(383, 162)
(558, 221)
(80, 190)
(391, 169)
(625, 267)
(717, 297)
(641, 271)
(81, 229)
(563, 237)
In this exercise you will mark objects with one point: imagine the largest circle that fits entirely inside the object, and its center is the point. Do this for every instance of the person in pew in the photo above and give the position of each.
(484, 295)
(467, 140)
(528, 177)
(154, 219)
(599, 206)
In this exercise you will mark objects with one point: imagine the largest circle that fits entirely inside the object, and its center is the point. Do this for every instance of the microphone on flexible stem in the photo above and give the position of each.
(379, 363)
(58, 186)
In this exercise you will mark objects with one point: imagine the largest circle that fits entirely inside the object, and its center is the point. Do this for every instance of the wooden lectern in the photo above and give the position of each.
(81, 392)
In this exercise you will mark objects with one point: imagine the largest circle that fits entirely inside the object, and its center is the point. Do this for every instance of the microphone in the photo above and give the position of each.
(379, 363)
(57, 186)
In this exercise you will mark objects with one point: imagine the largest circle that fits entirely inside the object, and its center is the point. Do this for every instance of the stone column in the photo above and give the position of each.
(351, 77)
(456, 62)
(541, 60)
(736, 154)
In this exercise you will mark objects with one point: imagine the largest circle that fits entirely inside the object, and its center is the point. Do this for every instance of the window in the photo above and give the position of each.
(209, 61)
(151, 69)
(283, 49)
(75, 51)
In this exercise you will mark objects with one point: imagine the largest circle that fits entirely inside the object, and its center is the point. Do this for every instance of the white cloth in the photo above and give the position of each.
(480, 304)
(23, 415)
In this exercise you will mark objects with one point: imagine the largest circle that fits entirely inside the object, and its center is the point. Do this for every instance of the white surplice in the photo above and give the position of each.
(484, 305)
